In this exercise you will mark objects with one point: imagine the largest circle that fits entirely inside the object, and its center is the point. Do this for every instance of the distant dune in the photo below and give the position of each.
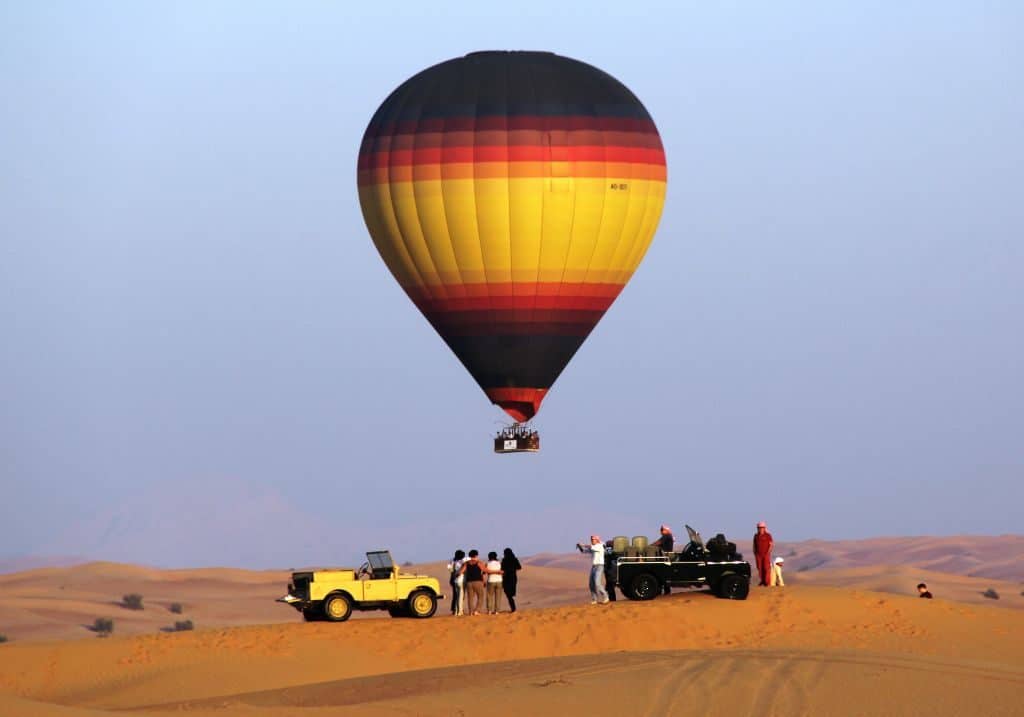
(61, 603)
(999, 557)
(804, 650)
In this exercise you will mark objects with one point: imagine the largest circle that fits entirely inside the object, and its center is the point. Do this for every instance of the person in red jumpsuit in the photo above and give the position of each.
(763, 545)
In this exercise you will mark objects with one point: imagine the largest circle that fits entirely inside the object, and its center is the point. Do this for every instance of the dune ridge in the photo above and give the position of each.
(796, 651)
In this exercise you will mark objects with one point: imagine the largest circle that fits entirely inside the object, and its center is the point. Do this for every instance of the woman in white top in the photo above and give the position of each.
(456, 581)
(492, 577)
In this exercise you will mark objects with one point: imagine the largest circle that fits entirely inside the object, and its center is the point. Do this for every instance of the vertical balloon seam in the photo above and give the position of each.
(641, 246)
(645, 232)
(647, 228)
(370, 198)
(602, 81)
(416, 186)
(575, 300)
(400, 105)
(476, 206)
(395, 105)
(506, 62)
(444, 202)
(476, 210)
(532, 339)
(572, 227)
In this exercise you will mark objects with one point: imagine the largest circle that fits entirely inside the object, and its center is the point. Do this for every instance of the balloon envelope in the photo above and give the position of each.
(512, 195)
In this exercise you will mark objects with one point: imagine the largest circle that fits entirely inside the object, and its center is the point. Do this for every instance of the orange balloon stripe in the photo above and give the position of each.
(511, 170)
(505, 153)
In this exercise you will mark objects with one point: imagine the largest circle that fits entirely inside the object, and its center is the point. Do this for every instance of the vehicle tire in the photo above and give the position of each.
(733, 587)
(422, 603)
(398, 611)
(644, 587)
(337, 607)
(313, 613)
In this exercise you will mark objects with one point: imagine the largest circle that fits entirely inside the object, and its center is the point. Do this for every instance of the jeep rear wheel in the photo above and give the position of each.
(398, 611)
(422, 603)
(644, 587)
(733, 587)
(313, 614)
(337, 608)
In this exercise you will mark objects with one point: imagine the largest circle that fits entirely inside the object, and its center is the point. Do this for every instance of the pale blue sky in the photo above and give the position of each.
(203, 359)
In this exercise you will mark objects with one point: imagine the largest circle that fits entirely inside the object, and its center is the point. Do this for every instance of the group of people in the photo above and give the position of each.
(477, 583)
(769, 571)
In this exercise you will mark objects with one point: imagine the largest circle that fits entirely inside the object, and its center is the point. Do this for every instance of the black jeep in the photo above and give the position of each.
(643, 573)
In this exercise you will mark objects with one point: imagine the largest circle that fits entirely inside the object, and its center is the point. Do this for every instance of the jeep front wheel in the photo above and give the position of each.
(733, 587)
(422, 603)
(337, 608)
(645, 587)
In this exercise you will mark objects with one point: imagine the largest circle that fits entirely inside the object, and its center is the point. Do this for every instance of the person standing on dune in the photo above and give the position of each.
(598, 595)
(473, 573)
(493, 580)
(456, 581)
(510, 568)
(763, 545)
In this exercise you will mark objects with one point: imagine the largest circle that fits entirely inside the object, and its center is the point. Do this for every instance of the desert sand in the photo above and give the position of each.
(844, 637)
(800, 650)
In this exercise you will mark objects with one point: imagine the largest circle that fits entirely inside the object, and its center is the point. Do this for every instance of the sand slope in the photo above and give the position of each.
(996, 557)
(802, 650)
(61, 603)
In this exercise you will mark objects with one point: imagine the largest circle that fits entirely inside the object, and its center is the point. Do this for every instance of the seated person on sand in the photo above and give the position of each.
(922, 591)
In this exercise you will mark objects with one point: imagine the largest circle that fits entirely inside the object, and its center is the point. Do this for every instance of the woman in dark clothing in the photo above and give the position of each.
(510, 568)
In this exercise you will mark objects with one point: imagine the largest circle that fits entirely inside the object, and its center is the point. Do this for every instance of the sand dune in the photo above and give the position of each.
(899, 579)
(998, 557)
(61, 602)
(802, 650)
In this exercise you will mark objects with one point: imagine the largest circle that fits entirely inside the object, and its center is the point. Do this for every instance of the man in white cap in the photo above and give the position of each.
(777, 573)
(596, 548)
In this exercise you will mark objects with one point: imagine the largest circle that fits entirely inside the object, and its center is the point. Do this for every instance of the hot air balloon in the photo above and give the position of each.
(512, 195)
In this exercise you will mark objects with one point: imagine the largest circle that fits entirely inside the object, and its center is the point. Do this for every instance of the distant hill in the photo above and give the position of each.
(999, 557)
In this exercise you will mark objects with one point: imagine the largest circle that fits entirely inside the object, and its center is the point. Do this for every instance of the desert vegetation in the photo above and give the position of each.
(991, 594)
(132, 601)
(103, 626)
(176, 608)
(183, 626)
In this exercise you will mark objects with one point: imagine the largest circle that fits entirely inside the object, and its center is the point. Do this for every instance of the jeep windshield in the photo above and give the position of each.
(695, 537)
(381, 564)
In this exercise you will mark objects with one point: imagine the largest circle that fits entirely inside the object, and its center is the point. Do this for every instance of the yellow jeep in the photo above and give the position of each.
(377, 585)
